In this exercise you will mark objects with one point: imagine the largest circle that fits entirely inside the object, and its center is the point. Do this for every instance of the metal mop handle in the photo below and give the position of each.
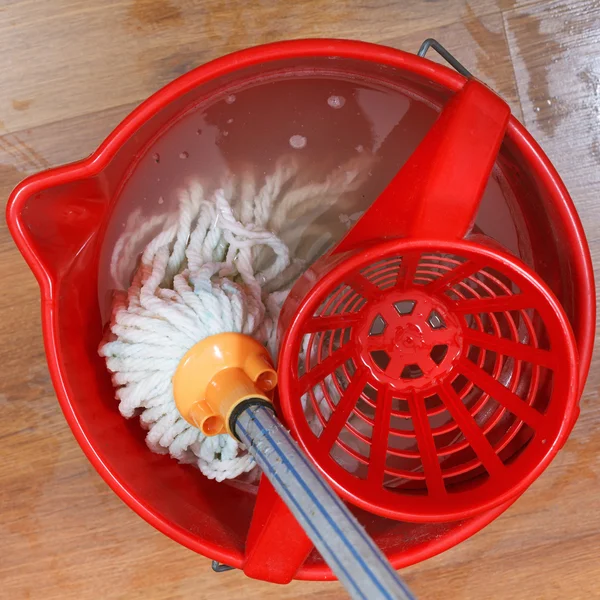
(343, 543)
(224, 384)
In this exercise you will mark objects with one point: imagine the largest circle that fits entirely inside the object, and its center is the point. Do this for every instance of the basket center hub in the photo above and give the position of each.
(410, 339)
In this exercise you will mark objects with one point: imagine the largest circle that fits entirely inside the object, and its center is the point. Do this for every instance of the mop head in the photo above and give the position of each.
(220, 263)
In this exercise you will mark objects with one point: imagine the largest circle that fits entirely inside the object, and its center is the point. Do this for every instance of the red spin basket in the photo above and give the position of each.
(430, 378)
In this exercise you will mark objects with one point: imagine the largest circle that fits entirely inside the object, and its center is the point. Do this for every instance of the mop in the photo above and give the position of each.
(219, 263)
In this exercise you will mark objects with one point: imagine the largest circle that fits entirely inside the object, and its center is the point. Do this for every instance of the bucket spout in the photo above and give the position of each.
(52, 217)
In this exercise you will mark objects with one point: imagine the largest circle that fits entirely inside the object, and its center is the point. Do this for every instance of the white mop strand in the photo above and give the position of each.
(218, 265)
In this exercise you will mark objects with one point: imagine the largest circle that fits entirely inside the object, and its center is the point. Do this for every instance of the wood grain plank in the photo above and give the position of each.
(554, 48)
(64, 58)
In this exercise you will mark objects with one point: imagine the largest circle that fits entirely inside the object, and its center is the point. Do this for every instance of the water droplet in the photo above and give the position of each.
(156, 157)
(537, 109)
(230, 99)
(336, 101)
(161, 200)
(230, 120)
(184, 154)
(549, 102)
(298, 142)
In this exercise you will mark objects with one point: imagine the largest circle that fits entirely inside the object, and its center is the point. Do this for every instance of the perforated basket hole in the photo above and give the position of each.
(315, 426)
(543, 393)
(350, 367)
(405, 307)
(501, 431)
(465, 291)
(412, 371)
(536, 324)
(366, 408)
(452, 295)
(312, 350)
(320, 402)
(435, 320)
(331, 390)
(302, 355)
(482, 407)
(443, 428)
(362, 430)
(354, 305)
(314, 422)
(471, 321)
(438, 353)
(512, 372)
(461, 483)
(400, 424)
(342, 378)
(459, 383)
(432, 402)
(381, 358)
(349, 459)
(506, 326)
(458, 457)
(324, 344)
(400, 405)
(370, 392)
(346, 335)
(517, 446)
(405, 467)
(378, 326)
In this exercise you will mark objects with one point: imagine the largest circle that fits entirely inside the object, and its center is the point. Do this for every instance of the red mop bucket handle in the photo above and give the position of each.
(437, 192)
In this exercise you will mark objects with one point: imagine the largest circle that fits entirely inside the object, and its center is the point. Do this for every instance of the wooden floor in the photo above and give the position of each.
(69, 71)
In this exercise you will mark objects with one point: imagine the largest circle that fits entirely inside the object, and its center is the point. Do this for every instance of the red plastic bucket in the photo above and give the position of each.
(59, 219)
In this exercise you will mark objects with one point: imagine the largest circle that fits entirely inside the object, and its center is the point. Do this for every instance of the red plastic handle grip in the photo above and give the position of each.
(437, 192)
(276, 546)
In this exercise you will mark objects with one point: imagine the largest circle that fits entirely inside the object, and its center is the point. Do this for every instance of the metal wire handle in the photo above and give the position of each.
(449, 58)
(218, 567)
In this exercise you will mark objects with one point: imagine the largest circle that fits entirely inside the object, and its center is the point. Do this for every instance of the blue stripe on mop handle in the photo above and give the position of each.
(343, 543)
